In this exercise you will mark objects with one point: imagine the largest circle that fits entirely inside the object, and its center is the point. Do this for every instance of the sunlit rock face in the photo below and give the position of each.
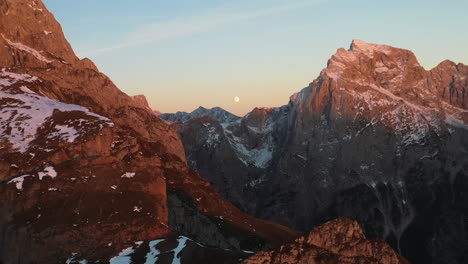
(87, 171)
(338, 241)
(376, 138)
(141, 101)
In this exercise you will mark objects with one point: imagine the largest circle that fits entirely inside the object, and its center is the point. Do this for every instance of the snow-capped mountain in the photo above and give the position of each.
(375, 137)
(218, 113)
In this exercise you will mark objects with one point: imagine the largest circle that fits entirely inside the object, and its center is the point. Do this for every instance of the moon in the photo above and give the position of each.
(236, 99)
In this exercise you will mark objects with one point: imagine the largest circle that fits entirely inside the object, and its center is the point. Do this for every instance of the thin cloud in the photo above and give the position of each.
(154, 33)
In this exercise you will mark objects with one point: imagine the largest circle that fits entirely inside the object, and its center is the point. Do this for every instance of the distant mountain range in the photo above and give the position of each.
(217, 113)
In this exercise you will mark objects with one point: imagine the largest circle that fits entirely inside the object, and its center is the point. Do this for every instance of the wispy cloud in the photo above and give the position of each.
(215, 18)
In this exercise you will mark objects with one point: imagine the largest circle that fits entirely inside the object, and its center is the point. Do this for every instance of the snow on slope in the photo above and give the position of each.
(173, 249)
(259, 156)
(22, 47)
(125, 256)
(23, 112)
(48, 171)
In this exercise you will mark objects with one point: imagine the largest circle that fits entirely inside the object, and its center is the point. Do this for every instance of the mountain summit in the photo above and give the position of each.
(375, 137)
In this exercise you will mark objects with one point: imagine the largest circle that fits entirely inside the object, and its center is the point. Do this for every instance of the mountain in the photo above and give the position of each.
(375, 138)
(218, 113)
(87, 171)
(89, 174)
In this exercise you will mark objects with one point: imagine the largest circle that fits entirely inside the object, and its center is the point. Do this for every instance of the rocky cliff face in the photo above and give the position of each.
(86, 172)
(338, 241)
(141, 101)
(376, 138)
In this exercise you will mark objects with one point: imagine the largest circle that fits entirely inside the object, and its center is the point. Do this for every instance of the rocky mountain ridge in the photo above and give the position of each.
(376, 138)
(84, 169)
(218, 113)
(326, 244)
(91, 175)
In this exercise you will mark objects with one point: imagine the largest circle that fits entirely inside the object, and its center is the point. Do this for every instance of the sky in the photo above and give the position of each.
(182, 54)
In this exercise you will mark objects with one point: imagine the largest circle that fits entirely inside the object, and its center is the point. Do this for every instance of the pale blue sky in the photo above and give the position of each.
(186, 53)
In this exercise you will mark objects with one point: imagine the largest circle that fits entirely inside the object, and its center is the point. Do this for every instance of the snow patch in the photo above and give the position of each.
(181, 245)
(259, 157)
(66, 133)
(123, 257)
(128, 175)
(48, 171)
(24, 113)
(26, 90)
(153, 254)
(19, 181)
(22, 47)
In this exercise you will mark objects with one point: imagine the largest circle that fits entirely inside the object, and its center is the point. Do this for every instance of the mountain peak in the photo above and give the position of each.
(360, 46)
(217, 113)
(200, 108)
(363, 57)
(27, 26)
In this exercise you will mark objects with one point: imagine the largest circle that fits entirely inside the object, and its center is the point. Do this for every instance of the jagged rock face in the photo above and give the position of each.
(217, 159)
(338, 241)
(375, 138)
(235, 157)
(217, 113)
(84, 170)
(38, 28)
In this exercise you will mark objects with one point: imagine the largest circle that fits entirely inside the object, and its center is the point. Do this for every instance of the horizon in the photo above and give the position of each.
(243, 55)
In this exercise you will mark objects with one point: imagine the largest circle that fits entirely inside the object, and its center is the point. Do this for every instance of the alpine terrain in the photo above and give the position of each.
(89, 174)
(375, 138)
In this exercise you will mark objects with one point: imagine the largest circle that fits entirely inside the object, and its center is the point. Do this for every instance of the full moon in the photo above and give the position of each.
(236, 99)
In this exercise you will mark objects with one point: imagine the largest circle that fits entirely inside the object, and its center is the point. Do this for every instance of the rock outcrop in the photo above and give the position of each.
(141, 101)
(339, 241)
